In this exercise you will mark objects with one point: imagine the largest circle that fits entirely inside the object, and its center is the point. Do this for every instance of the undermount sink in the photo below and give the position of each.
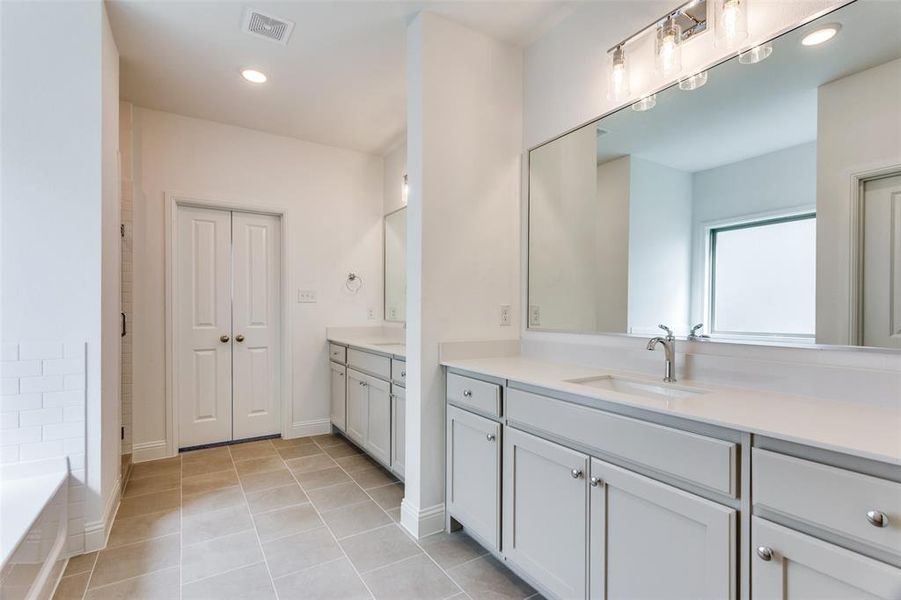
(638, 388)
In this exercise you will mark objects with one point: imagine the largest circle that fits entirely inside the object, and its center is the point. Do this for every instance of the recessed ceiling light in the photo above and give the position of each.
(254, 76)
(823, 34)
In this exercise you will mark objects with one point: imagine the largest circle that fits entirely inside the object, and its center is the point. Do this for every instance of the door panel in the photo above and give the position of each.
(398, 431)
(256, 318)
(202, 306)
(357, 406)
(882, 263)
(378, 431)
(338, 395)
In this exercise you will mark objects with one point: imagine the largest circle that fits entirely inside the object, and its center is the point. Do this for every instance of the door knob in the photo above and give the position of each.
(223, 338)
(239, 338)
(765, 553)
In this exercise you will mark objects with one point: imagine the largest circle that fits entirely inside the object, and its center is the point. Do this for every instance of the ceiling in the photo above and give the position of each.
(339, 81)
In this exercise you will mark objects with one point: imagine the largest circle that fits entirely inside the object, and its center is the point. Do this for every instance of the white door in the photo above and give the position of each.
(203, 327)
(256, 268)
(882, 263)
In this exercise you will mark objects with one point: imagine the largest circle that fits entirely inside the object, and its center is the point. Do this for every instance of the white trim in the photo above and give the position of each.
(424, 522)
(172, 201)
(96, 533)
(150, 451)
(308, 428)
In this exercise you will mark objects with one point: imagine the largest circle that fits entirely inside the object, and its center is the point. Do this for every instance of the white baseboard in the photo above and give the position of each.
(421, 522)
(149, 451)
(96, 533)
(308, 428)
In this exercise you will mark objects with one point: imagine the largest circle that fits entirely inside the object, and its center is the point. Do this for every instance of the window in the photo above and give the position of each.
(763, 278)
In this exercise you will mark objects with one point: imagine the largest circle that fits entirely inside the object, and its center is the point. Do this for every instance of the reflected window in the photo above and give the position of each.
(762, 278)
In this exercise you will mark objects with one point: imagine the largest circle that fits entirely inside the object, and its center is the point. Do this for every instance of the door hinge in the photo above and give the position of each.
(122, 433)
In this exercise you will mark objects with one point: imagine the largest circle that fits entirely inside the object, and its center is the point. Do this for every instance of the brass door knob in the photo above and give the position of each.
(223, 338)
(239, 338)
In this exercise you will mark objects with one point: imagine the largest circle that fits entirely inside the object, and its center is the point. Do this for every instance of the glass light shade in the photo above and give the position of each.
(405, 190)
(755, 55)
(669, 48)
(731, 22)
(693, 82)
(618, 88)
(646, 103)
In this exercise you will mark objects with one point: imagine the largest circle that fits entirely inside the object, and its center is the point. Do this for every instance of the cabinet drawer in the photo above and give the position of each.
(398, 371)
(797, 488)
(471, 393)
(375, 364)
(697, 459)
(337, 353)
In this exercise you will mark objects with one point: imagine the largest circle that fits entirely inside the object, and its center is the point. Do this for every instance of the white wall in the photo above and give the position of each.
(859, 129)
(334, 198)
(464, 93)
(611, 258)
(395, 166)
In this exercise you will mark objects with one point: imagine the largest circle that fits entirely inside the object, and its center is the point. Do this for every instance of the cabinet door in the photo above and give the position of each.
(338, 396)
(378, 417)
(650, 540)
(803, 567)
(398, 431)
(473, 474)
(357, 406)
(546, 512)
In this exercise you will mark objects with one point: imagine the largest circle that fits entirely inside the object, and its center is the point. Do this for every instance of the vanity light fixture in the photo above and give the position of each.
(669, 47)
(618, 87)
(731, 22)
(823, 34)
(756, 54)
(646, 103)
(254, 76)
(693, 82)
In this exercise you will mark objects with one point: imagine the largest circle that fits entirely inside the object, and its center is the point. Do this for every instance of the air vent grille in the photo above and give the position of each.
(267, 26)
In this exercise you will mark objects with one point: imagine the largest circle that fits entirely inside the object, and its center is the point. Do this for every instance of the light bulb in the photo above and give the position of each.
(669, 48)
(731, 22)
(618, 88)
(254, 76)
(730, 17)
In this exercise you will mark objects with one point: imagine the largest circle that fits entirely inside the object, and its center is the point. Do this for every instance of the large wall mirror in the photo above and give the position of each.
(764, 205)
(396, 265)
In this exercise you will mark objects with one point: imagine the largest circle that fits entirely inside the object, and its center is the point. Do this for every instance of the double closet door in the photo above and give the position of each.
(227, 331)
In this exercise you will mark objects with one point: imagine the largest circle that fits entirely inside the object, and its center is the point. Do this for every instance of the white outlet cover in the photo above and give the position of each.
(506, 315)
(306, 296)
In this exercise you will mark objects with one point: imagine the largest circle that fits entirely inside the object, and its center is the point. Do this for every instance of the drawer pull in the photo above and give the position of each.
(490, 437)
(877, 518)
(576, 473)
(467, 393)
(765, 553)
(595, 481)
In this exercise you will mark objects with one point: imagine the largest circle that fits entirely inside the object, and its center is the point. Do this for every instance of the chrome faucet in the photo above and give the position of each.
(694, 336)
(669, 346)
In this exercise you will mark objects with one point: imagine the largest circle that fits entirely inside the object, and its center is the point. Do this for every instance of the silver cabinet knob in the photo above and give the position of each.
(239, 338)
(595, 481)
(490, 437)
(223, 338)
(403, 374)
(467, 393)
(576, 473)
(765, 553)
(877, 518)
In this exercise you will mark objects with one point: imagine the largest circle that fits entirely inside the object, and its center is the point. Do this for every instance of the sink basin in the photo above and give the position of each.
(634, 387)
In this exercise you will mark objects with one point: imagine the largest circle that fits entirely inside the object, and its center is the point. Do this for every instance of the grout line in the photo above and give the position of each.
(154, 572)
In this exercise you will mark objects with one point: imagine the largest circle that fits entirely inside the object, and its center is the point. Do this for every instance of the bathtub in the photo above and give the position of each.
(33, 528)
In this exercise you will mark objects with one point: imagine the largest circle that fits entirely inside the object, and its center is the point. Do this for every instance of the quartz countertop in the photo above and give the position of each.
(378, 345)
(859, 429)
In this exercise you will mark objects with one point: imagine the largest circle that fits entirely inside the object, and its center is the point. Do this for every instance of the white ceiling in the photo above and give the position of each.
(339, 81)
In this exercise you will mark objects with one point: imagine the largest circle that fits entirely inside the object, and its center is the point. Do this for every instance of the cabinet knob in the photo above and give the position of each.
(576, 473)
(239, 338)
(595, 481)
(877, 518)
(490, 437)
(467, 393)
(403, 374)
(765, 553)
(223, 338)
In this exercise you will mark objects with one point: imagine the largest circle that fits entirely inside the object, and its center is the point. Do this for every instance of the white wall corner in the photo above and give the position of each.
(421, 522)
(96, 533)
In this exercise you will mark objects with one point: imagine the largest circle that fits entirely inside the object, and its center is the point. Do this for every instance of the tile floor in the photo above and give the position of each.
(304, 518)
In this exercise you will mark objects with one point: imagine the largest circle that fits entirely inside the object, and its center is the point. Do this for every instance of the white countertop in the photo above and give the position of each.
(379, 345)
(852, 428)
(22, 498)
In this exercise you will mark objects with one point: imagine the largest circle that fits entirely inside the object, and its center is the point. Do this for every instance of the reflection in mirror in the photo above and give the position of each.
(765, 205)
(395, 265)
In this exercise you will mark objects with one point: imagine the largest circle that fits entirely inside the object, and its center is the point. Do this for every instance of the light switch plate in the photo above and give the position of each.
(506, 315)
(306, 296)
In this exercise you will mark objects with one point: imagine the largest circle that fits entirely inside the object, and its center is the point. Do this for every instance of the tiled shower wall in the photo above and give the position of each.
(42, 414)
(127, 182)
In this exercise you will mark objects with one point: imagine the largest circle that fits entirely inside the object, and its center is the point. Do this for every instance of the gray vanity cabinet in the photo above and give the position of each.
(546, 512)
(651, 540)
(473, 474)
(790, 565)
(398, 429)
(357, 406)
(338, 412)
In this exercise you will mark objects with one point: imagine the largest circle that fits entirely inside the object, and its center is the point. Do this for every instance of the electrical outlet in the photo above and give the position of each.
(506, 315)
(534, 315)
(306, 296)
(370, 314)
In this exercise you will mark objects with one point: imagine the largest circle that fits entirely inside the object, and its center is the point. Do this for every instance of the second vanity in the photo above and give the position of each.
(607, 485)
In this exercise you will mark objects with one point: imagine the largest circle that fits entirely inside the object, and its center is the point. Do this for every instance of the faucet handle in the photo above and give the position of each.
(669, 332)
(697, 328)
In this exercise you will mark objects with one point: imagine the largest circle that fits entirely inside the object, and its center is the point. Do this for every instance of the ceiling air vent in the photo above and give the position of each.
(267, 27)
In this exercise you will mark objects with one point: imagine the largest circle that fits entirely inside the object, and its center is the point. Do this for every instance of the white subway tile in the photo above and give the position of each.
(63, 366)
(9, 454)
(29, 350)
(41, 450)
(76, 461)
(23, 435)
(41, 416)
(9, 386)
(9, 420)
(61, 431)
(20, 368)
(74, 382)
(9, 351)
(73, 350)
(72, 414)
(45, 383)
(20, 402)
(70, 398)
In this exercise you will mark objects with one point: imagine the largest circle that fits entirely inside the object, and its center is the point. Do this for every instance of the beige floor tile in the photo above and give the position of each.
(416, 578)
(148, 485)
(194, 504)
(330, 581)
(286, 521)
(280, 497)
(320, 479)
(337, 496)
(487, 578)
(210, 525)
(356, 462)
(259, 465)
(451, 549)
(329, 439)
(394, 513)
(72, 587)
(301, 551)
(124, 562)
(263, 481)
(299, 451)
(378, 547)
(259, 449)
(286, 443)
(165, 466)
(144, 527)
(371, 478)
(247, 583)
(355, 518)
(148, 503)
(211, 464)
(340, 450)
(208, 481)
(317, 462)
(388, 496)
(220, 555)
(160, 585)
(80, 564)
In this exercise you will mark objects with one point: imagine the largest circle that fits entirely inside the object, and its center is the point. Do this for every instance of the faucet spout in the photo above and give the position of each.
(669, 347)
